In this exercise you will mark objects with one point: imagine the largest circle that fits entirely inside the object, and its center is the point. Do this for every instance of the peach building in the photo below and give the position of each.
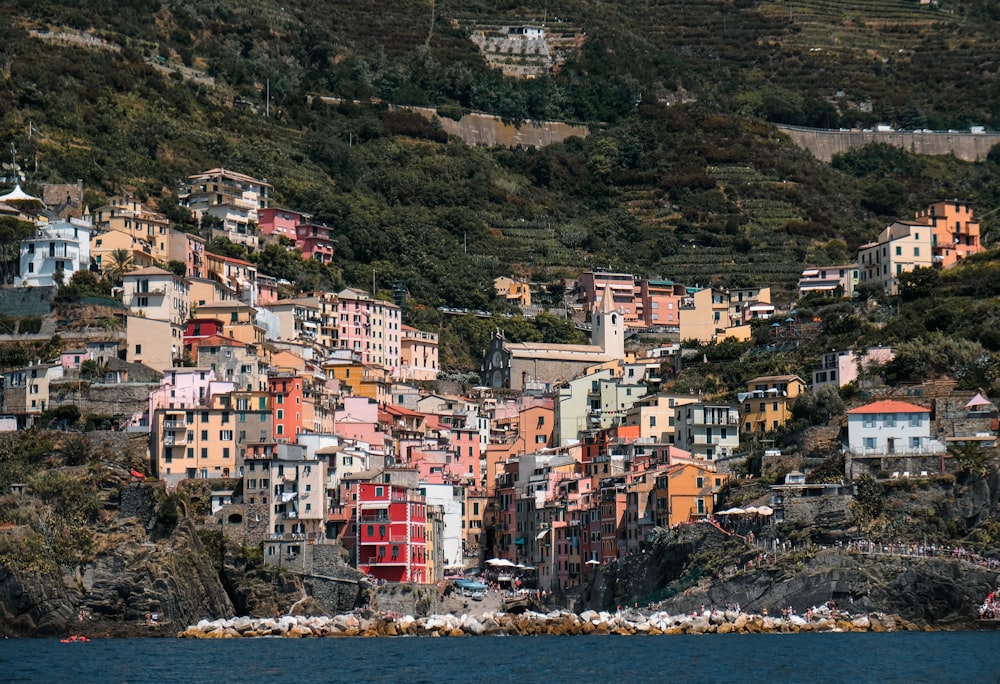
(955, 231)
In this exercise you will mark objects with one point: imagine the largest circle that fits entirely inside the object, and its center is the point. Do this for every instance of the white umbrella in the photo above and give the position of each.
(765, 510)
(725, 512)
(500, 563)
(736, 511)
(751, 509)
(593, 562)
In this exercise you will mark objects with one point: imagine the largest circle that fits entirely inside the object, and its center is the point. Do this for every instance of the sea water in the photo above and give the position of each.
(933, 657)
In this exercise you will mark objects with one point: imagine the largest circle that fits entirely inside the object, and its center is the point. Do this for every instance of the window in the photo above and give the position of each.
(899, 250)
(869, 420)
(889, 420)
(138, 349)
(914, 420)
(916, 251)
(869, 442)
(204, 435)
(226, 435)
(914, 442)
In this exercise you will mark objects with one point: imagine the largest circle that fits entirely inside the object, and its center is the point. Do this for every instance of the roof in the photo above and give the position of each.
(18, 195)
(889, 406)
(979, 400)
(585, 353)
(149, 271)
(234, 175)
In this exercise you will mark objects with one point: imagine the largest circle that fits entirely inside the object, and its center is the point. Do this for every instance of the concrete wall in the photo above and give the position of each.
(825, 143)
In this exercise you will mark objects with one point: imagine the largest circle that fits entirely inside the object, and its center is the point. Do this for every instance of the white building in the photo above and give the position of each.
(709, 431)
(56, 246)
(449, 498)
(891, 427)
(158, 294)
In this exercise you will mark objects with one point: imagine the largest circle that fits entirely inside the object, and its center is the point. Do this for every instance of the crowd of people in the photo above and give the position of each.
(990, 610)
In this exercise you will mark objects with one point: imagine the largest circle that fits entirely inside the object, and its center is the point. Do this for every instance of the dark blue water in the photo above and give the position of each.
(938, 658)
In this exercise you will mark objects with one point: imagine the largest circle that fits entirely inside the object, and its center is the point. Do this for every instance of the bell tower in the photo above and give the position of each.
(608, 326)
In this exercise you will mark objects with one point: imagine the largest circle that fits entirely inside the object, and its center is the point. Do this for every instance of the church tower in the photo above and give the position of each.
(608, 326)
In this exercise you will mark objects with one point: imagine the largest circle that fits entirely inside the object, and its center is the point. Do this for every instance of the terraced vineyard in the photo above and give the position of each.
(858, 25)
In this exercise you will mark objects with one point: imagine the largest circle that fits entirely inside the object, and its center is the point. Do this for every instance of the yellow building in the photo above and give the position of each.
(195, 443)
(103, 244)
(363, 379)
(154, 343)
(238, 319)
(515, 292)
(899, 248)
(767, 403)
(127, 215)
(656, 415)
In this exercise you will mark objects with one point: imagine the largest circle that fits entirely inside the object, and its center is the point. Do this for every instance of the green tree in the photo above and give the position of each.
(12, 231)
(918, 283)
(119, 263)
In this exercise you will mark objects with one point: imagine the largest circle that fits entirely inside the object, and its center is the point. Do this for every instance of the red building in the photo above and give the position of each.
(391, 539)
(286, 388)
(275, 221)
(315, 241)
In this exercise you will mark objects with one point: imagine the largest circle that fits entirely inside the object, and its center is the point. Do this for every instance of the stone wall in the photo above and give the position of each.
(120, 399)
(824, 144)
(406, 599)
(26, 301)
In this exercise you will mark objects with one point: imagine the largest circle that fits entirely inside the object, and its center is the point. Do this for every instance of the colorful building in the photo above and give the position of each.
(391, 522)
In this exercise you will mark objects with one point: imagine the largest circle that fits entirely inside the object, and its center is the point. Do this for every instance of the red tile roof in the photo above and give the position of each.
(889, 406)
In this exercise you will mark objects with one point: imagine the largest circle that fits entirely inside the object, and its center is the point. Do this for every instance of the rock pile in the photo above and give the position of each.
(554, 623)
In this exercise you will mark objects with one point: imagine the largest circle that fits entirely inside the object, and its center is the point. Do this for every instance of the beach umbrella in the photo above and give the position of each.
(751, 509)
(736, 511)
(765, 510)
(593, 562)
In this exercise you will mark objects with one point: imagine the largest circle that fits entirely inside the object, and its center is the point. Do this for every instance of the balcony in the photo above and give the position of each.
(174, 440)
(174, 425)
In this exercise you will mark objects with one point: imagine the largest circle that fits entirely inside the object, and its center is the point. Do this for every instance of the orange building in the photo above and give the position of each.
(955, 232)
(686, 491)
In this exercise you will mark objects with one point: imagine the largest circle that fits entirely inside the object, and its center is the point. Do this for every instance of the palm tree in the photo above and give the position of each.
(119, 263)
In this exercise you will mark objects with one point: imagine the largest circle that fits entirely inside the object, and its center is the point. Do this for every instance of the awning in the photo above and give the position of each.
(519, 541)
(541, 534)
(369, 505)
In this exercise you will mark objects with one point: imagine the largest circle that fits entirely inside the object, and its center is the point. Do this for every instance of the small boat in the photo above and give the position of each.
(75, 639)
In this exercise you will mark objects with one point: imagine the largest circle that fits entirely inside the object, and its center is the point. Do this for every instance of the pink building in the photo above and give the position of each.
(72, 358)
(418, 355)
(358, 420)
(660, 302)
(839, 368)
(315, 241)
(370, 328)
(829, 280)
(277, 221)
(590, 289)
(186, 388)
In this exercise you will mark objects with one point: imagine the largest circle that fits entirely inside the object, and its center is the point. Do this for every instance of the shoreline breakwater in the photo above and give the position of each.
(624, 623)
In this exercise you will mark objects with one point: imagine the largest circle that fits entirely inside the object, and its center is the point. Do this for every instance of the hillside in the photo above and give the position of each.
(681, 177)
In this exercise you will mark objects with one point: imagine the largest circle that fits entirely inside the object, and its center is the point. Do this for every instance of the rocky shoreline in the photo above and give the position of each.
(557, 623)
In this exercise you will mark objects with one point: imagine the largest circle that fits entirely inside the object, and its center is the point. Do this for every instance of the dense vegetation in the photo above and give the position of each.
(681, 177)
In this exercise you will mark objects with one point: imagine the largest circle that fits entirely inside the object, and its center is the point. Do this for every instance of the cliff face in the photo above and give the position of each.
(129, 577)
(943, 592)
